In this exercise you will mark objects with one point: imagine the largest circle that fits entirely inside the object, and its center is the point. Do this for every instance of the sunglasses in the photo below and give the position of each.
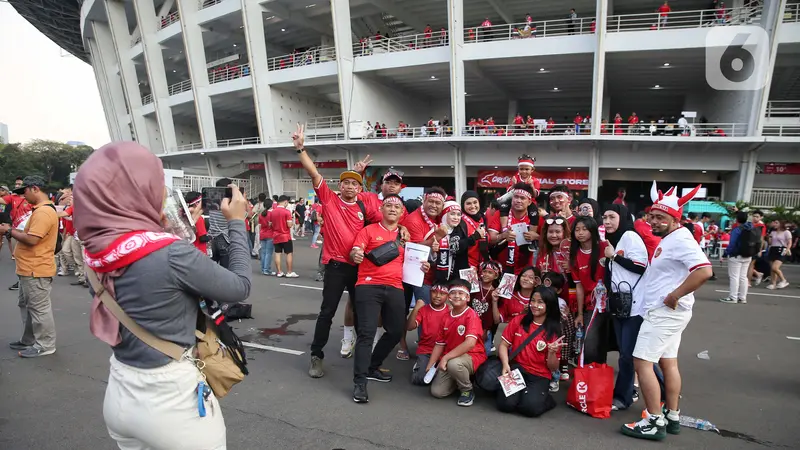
(557, 221)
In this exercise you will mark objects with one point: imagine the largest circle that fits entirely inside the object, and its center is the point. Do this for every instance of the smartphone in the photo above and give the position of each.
(212, 197)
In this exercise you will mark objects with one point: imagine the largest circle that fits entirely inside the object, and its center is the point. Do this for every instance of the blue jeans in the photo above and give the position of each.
(267, 250)
(627, 331)
(316, 234)
(423, 292)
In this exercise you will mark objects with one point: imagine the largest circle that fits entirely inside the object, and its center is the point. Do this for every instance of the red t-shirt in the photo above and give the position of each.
(419, 231)
(390, 274)
(518, 120)
(581, 273)
(474, 252)
(200, 231)
(762, 226)
(532, 360)
(265, 232)
(481, 302)
(429, 322)
(373, 206)
(69, 227)
(20, 208)
(513, 307)
(343, 221)
(279, 218)
(698, 232)
(645, 231)
(664, 9)
(456, 329)
(521, 259)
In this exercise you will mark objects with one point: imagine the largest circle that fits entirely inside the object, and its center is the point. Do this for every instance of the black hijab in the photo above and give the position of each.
(597, 214)
(625, 223)
(466, 196)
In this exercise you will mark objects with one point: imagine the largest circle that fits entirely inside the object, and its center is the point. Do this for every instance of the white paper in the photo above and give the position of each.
(506, 287)
(429, 375)
(519, 229)
(512, 382)
(471, 276)
(415, 255)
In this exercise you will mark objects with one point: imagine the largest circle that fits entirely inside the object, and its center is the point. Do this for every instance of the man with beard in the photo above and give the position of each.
(560, 200)
(665, 298)
(515, 258)
(344, 217)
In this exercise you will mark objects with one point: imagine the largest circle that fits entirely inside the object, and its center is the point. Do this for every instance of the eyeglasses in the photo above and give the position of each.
(557, 221)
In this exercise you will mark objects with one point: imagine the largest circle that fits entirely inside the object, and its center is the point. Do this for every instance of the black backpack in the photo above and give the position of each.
(749, 242)
(59, 238)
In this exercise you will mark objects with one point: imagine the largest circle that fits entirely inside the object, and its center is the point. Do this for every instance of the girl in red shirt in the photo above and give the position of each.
(552, 257)
(537, 360)
(481, 301)
(529, 279)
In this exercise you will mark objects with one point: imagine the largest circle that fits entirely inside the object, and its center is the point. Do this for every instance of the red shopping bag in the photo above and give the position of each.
(592, 390)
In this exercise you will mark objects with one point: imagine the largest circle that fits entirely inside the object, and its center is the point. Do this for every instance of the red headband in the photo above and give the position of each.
(439, 288)
(195, 201)
(523, 193)
(434, 195)
(392, 201)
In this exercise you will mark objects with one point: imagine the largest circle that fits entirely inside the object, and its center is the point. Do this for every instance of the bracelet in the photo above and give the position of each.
(301, 150)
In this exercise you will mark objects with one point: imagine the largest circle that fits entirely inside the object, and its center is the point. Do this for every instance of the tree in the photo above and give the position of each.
(52, 160)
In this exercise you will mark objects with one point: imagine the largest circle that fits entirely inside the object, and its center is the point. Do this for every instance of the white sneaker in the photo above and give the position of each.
(292, 275)
(743, 301)
(727, 300)
(771, 287)
(61, 273)
(347, 348)
(759, 279)
(554, 386)
(783, 284)
(564, 376)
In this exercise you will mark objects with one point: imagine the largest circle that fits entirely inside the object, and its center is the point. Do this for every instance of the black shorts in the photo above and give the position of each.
(776, 254)
(285, 247)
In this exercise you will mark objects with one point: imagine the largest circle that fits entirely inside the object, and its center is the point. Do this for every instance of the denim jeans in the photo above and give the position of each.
(627, 331)
(316, 234)
(266, 251)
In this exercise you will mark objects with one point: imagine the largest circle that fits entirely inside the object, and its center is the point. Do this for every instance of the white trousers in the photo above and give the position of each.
(737, 277)
(156, 409)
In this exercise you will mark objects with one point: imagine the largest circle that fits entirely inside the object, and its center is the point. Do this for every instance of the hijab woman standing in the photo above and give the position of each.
(158, 279)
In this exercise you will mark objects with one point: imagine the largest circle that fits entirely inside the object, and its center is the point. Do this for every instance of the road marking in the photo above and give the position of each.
(793, 338)
(272, 349)
(301, 286)
(766, 295)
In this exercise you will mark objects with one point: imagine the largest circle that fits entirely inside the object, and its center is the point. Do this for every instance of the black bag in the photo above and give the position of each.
(620, 302)
(384, 253)
(492, 368)
(237, 311)
(59, 238)
(749, 243)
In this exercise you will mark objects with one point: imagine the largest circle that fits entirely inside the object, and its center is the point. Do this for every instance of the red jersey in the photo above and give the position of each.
(457, 328)
(20, 208)
(373, 206)
(429, 322)
(664, 9)
(513, 307)
(343, 221)
(762, 226)
(518, 120)
(698, 232)
(481, 302)
(474, 252)
(534, 182)
(582, 273)
(532, 360)
(69, 227)
(390, 274)
(420, 228)
(265, 232)
(651, 241)
(200, 231)
(279, 218)
(521, 259)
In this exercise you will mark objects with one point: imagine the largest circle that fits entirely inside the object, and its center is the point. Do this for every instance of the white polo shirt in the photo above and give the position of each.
(675, 258)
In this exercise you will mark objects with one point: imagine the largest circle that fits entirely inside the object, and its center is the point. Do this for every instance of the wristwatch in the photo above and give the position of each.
(8, 233)
(301, 150)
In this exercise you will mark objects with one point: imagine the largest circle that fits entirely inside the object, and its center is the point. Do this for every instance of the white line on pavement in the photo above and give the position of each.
(793, 338)
(765, 294)
(301, 286)
(272, 349)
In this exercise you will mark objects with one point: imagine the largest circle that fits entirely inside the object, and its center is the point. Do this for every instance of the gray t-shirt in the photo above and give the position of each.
(160, 292)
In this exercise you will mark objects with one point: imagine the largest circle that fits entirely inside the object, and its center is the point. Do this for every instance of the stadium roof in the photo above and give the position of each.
(60, 20)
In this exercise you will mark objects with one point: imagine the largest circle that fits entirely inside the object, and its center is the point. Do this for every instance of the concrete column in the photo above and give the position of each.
(748, 176)
(606, 109)
(460, 171)
(253, 20)
(103, 57)
(198, 73)
(594, 171)
(211, 166)
(455, 17)
(118, 29)
(599, 69)
(273, 173)
(156, 73)
(352, 157)
(513, 107)
(340, 13)
(771, 18)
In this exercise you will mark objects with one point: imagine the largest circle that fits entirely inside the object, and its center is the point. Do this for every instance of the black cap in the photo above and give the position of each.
(392, 173)
(30, 181)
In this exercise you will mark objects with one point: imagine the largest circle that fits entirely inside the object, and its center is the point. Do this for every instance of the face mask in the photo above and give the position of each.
(177, 218)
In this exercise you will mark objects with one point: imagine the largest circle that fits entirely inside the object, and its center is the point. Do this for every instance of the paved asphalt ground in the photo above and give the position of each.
(749, 386)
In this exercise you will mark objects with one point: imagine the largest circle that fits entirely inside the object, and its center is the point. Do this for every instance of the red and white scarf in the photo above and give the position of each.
(127, 249)
(431, 225)
(512, 243)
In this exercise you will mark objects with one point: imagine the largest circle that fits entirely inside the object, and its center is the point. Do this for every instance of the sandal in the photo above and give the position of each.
(402, 355)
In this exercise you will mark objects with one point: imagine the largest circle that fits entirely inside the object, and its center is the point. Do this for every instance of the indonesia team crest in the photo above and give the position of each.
(658, 252)
(540, 346)
(360, 216)
(461, 330)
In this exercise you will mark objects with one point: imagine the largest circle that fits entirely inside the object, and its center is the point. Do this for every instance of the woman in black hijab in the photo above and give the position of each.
(472, 220)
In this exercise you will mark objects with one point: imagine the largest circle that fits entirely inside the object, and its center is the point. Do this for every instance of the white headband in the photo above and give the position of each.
(459, 289)
(522, 192)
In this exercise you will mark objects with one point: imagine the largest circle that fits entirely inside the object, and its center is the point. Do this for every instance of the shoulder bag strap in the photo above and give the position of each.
(526, 342)
(170, 349)
(363, 209)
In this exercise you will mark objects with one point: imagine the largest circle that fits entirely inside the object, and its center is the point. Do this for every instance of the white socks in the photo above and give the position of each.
(378, 333)
(674, 415)
(349, 333)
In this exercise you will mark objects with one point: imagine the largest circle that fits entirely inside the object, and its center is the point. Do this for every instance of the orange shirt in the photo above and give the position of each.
(38, 260)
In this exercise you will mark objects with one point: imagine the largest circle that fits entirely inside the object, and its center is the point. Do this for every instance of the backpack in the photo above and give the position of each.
(749, 242)
(59, 238)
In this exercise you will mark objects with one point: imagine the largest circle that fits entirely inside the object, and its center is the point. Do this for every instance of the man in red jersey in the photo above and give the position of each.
(643, 229)
(20, 213)
(344, 217)
(560, 199)
(459, 349)
(391, 184)
(516, 257)
(281, 222)
(379, 295)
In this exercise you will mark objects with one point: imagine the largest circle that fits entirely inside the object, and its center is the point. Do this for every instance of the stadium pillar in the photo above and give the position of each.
(513, 107)
(343, 42)
(272, 172)
(771, 18)
(253, 22)
(599, 69)
(198, 73)
(594, 171)
(455, 16)
(460, 171)
(104, 58)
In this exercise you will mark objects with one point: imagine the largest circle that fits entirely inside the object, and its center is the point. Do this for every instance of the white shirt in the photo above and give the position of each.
(623, 280)
(675, 258)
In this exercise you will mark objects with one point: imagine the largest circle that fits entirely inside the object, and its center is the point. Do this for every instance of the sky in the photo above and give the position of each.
(44, 94)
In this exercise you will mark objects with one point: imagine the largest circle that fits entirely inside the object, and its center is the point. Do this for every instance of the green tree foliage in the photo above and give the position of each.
(52, 160)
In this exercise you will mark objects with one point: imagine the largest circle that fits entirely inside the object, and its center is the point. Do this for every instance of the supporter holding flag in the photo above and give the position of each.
(538, 359)
(665, 300)
(458, 352)
(428, 318)
(378, 251)
(345, 216)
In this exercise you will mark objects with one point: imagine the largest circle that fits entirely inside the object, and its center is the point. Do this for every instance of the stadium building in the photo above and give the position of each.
(215, 88)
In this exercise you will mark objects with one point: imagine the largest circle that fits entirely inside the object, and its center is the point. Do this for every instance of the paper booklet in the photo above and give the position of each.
(512, 382)
(506, 287)
(470, 275)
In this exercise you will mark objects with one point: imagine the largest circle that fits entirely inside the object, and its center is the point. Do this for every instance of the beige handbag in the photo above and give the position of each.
(216, 363)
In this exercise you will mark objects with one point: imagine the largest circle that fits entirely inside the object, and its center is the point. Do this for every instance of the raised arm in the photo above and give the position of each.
(299, 139)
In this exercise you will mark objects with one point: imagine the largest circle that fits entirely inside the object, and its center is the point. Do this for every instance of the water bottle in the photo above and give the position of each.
(578, 340)
(600, 297)
(700, 424)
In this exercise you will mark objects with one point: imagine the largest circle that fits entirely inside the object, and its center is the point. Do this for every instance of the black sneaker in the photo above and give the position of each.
(377, 375)
(77, 283)
(18, 345)
(360, 393)
(14, 287)
(653, 429)
(635, 395)
(673, 426)
(34, 352)
(466, 398)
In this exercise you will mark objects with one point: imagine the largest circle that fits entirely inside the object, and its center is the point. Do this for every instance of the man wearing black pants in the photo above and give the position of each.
(379, 295)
